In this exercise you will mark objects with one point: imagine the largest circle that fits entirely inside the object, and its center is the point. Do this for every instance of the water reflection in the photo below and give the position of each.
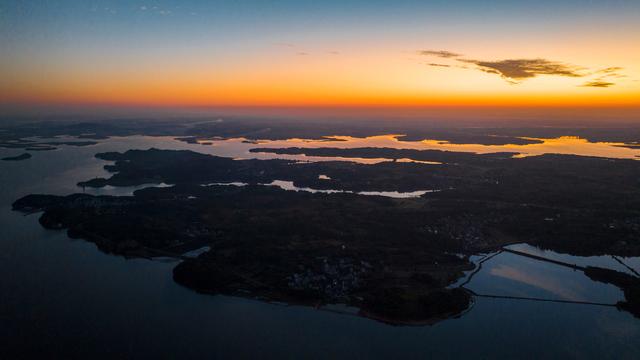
(554, 286)
(239, 148)
(508, 274)
(568, 145)
(605, 261)
(289, 186)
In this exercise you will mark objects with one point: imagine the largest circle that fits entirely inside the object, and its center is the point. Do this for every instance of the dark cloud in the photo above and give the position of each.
(519, 69)
(439, 65)
(439, 53)
(302, 53)
(598, 84)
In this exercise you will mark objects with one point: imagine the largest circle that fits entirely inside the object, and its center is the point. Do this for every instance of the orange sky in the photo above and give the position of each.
(361, 65)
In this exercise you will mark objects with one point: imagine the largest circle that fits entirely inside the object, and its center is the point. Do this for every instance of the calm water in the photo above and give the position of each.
(64, 298)
(289, 186)
(562, 145)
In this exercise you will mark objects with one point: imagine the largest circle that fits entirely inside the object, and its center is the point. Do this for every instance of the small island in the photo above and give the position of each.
(20, 157)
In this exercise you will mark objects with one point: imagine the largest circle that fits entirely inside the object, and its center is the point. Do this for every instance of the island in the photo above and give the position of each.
(20, 157)
(396, 260)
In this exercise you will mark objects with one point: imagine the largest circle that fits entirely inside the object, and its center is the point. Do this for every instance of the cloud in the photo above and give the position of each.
(519, 69)
(609, 71)
(597, 84)
(603, 80)
(439, 53)
(515, 71)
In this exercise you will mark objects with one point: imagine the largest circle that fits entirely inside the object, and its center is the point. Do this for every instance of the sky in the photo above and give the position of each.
(320, 53)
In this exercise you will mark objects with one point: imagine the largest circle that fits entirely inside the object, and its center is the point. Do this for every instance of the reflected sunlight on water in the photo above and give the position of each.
(567, 145)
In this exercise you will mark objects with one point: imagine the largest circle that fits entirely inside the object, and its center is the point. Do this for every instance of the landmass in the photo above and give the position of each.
(394, 259)
(436, 156)
(24, 132)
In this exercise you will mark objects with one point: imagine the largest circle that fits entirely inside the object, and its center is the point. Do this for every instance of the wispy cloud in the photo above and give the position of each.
(295, 48)
(603, 80)
(609, 73)
(300, 50)
(518, 69)
(156, 10)
(609, 70)
(439, 53)
(515, 71)
(597, 84)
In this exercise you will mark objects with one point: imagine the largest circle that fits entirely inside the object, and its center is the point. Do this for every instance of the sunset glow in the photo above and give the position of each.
(193, 53)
